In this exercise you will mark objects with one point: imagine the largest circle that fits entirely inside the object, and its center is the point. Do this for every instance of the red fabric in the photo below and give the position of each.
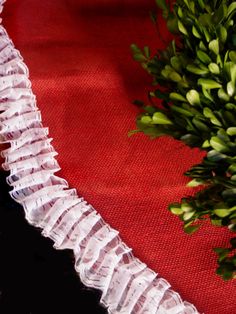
(84, 78)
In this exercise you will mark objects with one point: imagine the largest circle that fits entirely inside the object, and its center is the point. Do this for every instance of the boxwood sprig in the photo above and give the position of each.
(195, 78)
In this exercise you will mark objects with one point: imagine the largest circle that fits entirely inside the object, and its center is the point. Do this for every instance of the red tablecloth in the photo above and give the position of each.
(85, 80)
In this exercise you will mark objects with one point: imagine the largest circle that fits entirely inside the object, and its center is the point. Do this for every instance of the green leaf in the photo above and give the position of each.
(230, 106)
(233, 73)
(193, 97)
(220, 250)
(215, 121)
(215, 156)
(216, 222)
(196, 32)
(232, 168)
(219, 60)
(232, 56)
(221, 133)
(226, 56)
(190, 139)
(208, 113)
(222, 212)
(231, 9)
(201, 4)
(203, 56)
(214, 46)
(182, 28)
(219, 14)
(160, 118)
(229, 193)
(180, 12)
(205, 19)
(227, 275)
(222, 33)
(166, 72)
(196, 70)
(132, 132)
(208, 83)
(202, 46)
(206, 144)
(231, 131)
(186, 208)
(177, 97)
(146, 51)
(139, 57)
(149, 109)
(233, 178)
(188, 216)
(146, 119)
(218, 144)
(214, 68)
(195, 182)
(174, 76)
(172, 24)
(200, 125)
(222, 253)
(176, 63)
(207, 35)
(229, 117)
(230, 88)
(191, 229)
(223, 95)
(182, 111)
(135, 49)
(176, 209)
(227, 66)
(192, 6)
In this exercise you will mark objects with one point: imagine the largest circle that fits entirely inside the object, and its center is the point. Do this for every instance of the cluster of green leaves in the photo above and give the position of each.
(195, 77)
(227, 261)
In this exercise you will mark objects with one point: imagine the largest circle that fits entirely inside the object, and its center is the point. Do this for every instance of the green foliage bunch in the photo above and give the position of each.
(195, 77)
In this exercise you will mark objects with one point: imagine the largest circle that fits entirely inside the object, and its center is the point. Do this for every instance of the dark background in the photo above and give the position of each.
(34, 277)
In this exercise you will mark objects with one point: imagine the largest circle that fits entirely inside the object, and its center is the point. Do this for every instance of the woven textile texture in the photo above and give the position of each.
(84, 78)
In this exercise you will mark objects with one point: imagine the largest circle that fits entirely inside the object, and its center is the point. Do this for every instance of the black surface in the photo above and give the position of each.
(34, 277)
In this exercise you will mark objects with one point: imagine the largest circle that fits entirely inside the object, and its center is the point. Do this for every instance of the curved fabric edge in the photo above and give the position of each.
(102, 260)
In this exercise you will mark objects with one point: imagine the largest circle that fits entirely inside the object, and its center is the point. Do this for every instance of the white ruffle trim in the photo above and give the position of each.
(102, 260)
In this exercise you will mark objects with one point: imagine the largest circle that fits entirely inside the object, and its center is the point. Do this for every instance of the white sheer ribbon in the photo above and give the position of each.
(102, 260)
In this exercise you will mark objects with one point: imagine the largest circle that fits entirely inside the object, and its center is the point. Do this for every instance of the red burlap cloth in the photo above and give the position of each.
(85, 80)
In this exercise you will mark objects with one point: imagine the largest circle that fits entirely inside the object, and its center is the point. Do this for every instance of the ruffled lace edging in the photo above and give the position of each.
(102, 260)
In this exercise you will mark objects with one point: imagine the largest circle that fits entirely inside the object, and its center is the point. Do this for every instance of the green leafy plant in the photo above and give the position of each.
(195, 77)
